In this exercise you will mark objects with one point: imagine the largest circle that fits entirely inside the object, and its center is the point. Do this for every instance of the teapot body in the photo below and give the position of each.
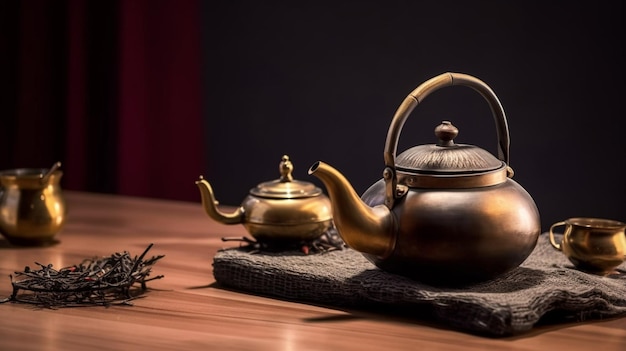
(458, 236)
(284, 220)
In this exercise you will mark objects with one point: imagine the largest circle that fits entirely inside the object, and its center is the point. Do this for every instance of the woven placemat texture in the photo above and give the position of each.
(510, 304)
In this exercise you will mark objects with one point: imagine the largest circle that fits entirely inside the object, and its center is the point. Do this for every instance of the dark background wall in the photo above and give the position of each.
(140, 97)
(322, 80)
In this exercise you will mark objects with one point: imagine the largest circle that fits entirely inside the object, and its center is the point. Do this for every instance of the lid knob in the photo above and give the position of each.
(446, 132)
(285, 168)
(286, 187)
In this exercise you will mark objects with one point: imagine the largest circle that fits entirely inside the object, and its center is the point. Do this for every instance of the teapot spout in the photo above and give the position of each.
(366, 229)
(210, 205)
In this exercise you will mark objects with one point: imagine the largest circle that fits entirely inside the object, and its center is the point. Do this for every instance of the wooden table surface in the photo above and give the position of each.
(187, 310)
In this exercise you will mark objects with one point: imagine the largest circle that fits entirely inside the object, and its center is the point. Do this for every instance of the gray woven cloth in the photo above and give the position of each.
(545, 285)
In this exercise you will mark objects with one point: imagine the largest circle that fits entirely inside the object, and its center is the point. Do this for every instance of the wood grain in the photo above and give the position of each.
(187, 310)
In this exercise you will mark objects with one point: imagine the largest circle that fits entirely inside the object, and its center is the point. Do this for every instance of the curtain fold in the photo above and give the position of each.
(160, 130)
(111, 89)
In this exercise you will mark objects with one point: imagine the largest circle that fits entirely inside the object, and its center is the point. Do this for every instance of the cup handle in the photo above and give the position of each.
(552, 240)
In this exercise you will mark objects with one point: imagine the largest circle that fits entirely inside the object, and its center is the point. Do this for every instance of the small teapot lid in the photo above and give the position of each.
(286, 187)
(446, 157)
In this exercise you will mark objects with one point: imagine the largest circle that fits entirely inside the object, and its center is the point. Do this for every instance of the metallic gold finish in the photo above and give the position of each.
(593, 245)
(447, 214)
(280, 210)
(460, 181)
(32, 206)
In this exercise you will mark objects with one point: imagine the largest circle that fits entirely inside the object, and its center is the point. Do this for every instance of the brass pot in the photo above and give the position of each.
(443, 213)
(32, 206)
(593, 245)
(280, 210)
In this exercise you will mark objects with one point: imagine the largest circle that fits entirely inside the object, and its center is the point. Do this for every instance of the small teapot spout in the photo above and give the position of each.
(210, 205)
(366, 229)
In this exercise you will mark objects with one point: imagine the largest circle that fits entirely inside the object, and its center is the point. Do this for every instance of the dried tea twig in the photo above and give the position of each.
(97, 281)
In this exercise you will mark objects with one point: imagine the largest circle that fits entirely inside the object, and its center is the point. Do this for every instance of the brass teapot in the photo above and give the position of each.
(279, 211)
(445, 213)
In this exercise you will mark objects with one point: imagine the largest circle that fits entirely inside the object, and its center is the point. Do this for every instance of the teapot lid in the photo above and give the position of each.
(286, 187)
(446, 157)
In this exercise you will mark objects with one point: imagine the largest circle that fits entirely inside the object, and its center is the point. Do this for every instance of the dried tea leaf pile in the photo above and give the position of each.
(98, 281)
(326, 242)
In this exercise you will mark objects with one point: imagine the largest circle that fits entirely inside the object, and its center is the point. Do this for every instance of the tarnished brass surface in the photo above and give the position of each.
(280, 210)
(441, 236)
(32, 207)
(363, 228)
(461, 181)
(593, 245)
(444, 213)
(415, 98)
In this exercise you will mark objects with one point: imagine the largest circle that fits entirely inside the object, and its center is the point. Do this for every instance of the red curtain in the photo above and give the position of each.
(111, 89)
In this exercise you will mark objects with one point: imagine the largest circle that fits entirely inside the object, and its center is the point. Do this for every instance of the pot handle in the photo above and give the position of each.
(414, 99)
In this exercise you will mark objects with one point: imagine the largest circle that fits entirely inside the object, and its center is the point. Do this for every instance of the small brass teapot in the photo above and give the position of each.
(443, 213)
(32, 206)
(279, 211)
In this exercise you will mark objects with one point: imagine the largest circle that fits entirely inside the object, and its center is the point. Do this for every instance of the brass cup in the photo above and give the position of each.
(32, 206)
(593, 245)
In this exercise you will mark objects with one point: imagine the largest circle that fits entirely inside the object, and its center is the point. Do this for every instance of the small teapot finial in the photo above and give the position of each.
(446, 132)
(285, 167)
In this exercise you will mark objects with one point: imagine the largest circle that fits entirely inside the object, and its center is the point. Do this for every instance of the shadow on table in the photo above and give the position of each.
(5, 244)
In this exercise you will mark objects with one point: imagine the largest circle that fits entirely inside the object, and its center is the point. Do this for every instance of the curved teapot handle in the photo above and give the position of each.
(414, 99)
